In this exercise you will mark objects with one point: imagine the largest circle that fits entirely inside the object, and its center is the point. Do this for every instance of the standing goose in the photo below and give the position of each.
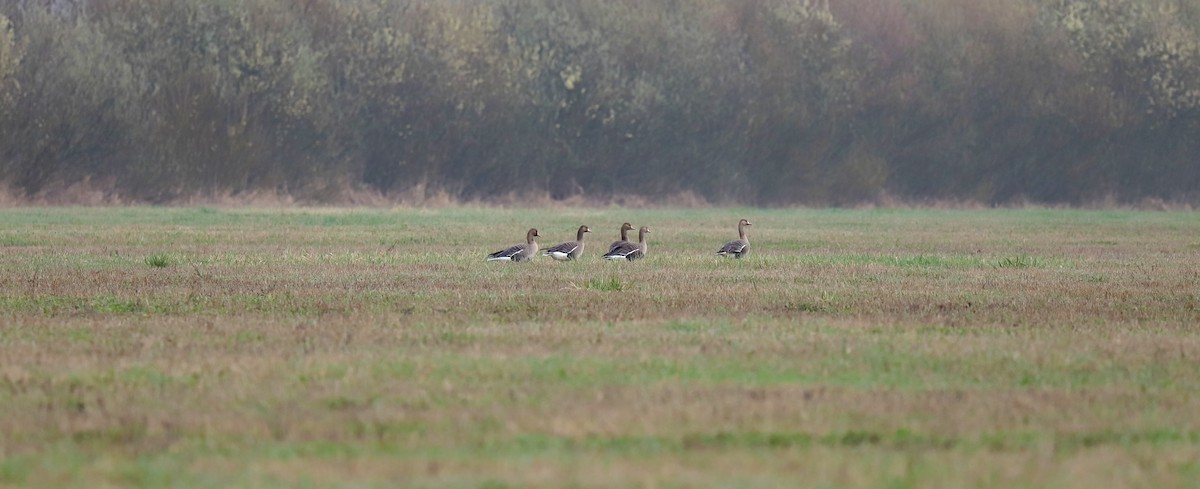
(624, 239)
(739, 247)
(629, 251)
(569, 250)
(521, 252)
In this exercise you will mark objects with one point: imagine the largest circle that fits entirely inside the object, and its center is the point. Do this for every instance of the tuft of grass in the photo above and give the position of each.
(11, 240)
(804, 307)
(610, 284)
(108, 304)
(916, 262)
(1019, 261)
(158, 260)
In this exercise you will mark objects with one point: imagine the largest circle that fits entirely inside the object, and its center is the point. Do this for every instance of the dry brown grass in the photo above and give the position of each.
(336, 347)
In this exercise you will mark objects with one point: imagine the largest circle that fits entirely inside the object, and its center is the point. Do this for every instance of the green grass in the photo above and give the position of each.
(159, 260)
(1019, 262)
(610, 284)
(148, 347)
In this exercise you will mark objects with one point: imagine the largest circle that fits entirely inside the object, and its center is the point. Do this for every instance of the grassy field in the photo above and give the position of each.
(204, 347)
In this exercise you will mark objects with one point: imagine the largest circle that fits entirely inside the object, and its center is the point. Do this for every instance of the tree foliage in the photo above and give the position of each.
(761, 102)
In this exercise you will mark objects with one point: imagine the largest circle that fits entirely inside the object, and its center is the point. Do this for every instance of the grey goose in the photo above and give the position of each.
(739, 247)
(521, 252)
(624, 237)
(629, 251)
(569, 250)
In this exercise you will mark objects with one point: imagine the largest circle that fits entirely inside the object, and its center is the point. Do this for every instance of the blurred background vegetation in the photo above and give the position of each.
(760, 102)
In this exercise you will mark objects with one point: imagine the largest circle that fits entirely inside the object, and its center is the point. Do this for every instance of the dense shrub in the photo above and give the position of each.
(760, 102)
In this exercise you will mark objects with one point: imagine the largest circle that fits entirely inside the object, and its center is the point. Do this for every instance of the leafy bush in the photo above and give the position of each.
(771, 102)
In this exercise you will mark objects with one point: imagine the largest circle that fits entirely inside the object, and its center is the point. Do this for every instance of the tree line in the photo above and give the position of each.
(760, 102)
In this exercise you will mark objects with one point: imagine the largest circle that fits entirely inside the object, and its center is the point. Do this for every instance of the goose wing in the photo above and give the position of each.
(568, 248)
(622, 250)
(565, 251)
(735, 247)
(509, 253)
(619, 244)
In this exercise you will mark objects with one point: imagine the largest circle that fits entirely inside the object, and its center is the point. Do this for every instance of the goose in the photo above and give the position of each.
(739, 247)
(521, 252)
(624, 228)
(629, 251)
(569, 250)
